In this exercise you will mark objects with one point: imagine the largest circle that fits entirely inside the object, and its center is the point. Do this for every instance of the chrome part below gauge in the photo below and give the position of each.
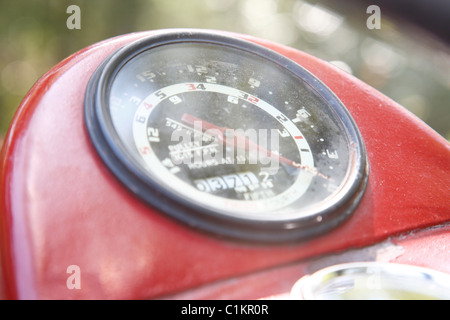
(373, 281)
(226, 136)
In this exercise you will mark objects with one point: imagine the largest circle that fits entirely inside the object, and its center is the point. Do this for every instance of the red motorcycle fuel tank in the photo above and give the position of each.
(71, 207)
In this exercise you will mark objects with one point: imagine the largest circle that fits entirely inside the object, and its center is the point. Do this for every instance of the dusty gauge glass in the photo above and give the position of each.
(226, 136)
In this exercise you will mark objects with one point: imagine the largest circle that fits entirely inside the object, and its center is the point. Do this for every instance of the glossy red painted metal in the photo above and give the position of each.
(61, 206)
(426, 248)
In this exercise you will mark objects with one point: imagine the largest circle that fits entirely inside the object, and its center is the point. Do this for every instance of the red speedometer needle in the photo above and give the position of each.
(234, 138)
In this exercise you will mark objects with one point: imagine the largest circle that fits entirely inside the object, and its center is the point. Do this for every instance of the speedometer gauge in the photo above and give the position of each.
(226, 136)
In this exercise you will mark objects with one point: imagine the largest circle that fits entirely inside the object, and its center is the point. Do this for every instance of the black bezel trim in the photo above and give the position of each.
(108, 146)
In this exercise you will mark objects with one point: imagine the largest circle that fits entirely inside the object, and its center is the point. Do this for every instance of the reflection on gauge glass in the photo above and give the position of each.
(227, 136)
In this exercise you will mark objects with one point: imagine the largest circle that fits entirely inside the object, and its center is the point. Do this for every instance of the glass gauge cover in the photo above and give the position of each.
(226, 136)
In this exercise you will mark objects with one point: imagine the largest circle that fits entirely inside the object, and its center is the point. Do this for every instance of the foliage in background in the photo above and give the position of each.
(34, 37)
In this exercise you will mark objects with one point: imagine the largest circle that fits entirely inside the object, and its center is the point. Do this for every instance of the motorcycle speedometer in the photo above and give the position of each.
(226, 136)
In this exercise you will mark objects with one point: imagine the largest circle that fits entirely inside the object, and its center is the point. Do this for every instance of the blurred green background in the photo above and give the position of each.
(400, 60)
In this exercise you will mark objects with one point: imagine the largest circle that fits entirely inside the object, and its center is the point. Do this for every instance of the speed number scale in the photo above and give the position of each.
(226, 136)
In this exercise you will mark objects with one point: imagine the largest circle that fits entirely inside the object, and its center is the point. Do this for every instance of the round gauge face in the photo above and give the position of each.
(226, 136)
